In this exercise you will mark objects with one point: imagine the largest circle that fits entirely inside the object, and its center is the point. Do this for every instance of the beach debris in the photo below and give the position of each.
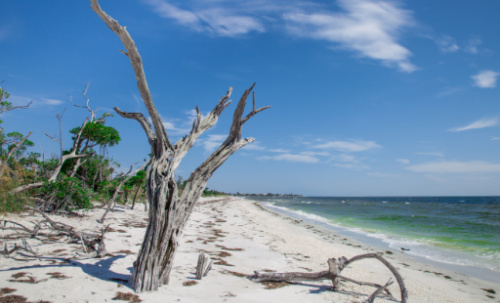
(335, 267)
(127, 296)
(89, 242)
(204, 265)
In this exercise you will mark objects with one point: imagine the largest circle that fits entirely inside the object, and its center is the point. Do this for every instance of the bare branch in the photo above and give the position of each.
(16, 107)
(200, 125)
(25, 247)
(371, 299)
(136, 61)
(142, 120)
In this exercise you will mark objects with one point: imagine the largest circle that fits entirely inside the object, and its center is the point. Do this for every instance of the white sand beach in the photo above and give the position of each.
(241, 237)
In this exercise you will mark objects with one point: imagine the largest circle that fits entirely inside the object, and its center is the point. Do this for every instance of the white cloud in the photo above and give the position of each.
(448, 45)
(471, 46)
(485, 79)
(370, 28)
(279, 150)
(482, 123)
(437, 154)
(455, 167)
(404, 161)
(218, 20)
(352, 146)
(448, 91)
(51, 101)
(213, 142)
(354, 166)
(382, 175)
(254, 146)
(292, 158)
(495, 138)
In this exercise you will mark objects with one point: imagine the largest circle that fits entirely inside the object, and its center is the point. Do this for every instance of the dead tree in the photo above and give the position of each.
(57, 170)
(335, 267)
(168, 212)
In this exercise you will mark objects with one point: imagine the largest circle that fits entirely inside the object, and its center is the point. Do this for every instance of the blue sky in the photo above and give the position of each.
(368, 97)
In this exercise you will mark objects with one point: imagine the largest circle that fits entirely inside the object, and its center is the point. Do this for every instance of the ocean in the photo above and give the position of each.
(463, 232)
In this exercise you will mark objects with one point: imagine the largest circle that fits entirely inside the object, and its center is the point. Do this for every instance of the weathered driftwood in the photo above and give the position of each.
(335, 267)
(372, 297)
(168, 212)
(204, 265)
(90, 242)
(25, 247)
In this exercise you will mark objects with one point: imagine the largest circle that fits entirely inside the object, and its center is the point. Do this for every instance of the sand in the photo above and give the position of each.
(241, 237)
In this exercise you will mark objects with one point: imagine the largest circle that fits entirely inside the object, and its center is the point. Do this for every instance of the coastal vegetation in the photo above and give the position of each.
(77, 179)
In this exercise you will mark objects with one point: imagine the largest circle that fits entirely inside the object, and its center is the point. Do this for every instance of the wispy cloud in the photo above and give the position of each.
(349, 146)
(455, 167)
(472, 46)
(482, 123)
(404, 161)
(217, 20)
(382, 175)
(370, 28)
(436, 154)
(49, 101)
(353, 166)
(213, 142)
(447, 45)
(292, 158)
(485, 79)
(447, 91)
(495, 138)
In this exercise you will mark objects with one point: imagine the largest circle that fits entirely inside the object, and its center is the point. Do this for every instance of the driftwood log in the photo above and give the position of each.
(204, 265)
(335, 267)
(90, 242)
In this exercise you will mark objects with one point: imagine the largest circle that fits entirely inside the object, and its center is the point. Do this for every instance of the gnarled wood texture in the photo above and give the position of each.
(168, 212)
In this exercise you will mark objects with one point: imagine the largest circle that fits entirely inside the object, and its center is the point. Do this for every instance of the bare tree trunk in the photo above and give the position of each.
(168, 212)
(135, 196)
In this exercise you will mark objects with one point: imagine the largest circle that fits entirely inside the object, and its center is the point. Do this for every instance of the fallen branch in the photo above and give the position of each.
(333, 273)
(371, 298)
(6, 252)
(90, 242)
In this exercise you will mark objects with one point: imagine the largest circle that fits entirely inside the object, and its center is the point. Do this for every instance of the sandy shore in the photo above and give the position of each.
(241, 237)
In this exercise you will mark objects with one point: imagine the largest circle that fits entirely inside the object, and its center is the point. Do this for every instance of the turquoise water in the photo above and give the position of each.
(462, 231)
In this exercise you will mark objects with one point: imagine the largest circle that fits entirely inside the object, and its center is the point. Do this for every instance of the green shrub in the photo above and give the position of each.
(13, 203)
(66, 193)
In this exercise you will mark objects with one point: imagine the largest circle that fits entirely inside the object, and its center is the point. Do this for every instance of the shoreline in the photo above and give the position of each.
(482, 273)
(240, 237)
